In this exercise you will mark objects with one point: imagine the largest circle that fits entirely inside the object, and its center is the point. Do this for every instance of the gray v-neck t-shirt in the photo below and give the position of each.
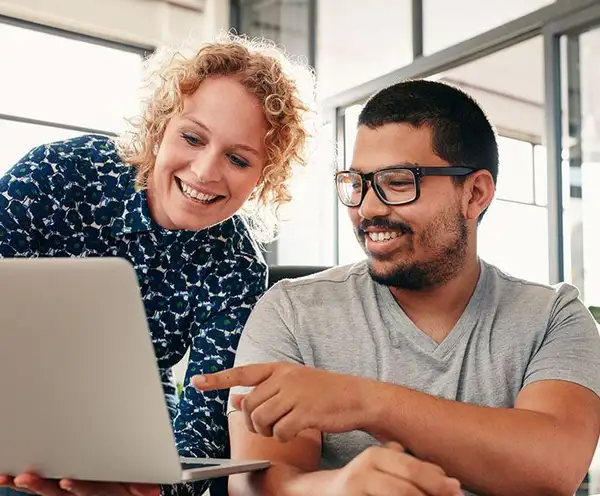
(512, 333)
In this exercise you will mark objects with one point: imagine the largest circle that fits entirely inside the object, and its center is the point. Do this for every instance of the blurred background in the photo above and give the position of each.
(73, 66)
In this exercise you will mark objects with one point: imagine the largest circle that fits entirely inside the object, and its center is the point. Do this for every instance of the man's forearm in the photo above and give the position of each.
(491, 451)
(278, 480)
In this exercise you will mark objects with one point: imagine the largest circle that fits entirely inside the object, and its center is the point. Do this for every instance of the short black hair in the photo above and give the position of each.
(461, 132)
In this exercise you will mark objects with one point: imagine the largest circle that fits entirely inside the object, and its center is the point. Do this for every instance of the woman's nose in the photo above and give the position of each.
(207, 166)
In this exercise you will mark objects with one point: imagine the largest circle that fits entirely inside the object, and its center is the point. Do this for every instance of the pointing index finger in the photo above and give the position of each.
(245, 375)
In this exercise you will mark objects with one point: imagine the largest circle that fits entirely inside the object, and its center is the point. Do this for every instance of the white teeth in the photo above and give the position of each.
(197, 195)
(383, 236)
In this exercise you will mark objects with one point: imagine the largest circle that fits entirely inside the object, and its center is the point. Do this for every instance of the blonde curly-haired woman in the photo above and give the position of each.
(185, 195)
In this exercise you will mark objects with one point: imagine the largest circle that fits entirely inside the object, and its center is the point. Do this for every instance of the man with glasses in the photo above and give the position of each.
(422, 370)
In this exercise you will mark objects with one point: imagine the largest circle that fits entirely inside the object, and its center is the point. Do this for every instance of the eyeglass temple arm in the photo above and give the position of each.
(445, 171)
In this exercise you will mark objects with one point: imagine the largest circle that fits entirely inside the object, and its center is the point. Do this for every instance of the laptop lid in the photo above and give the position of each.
(82, 396)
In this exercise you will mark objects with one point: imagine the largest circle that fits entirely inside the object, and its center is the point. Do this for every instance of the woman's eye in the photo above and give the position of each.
(192, 140)
(238, 161)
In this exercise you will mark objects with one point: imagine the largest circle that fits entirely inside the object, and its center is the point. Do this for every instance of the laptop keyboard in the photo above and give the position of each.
(193, 465)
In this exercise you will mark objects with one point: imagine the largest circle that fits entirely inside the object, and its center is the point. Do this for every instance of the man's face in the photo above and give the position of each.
(419, 245)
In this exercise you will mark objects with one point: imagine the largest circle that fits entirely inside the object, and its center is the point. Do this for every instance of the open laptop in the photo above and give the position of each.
(81, 395)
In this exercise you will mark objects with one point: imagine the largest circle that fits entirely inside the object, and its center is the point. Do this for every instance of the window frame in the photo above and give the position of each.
(142, 51)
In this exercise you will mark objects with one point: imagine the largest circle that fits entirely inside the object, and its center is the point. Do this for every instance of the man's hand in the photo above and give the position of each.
(381, 471)
(289, 398)
(32, 484)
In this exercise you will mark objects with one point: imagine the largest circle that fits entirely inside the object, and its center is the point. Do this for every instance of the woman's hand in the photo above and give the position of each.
(49, 487)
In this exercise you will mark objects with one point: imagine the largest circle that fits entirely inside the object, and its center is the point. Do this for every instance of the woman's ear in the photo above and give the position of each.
(480, 190)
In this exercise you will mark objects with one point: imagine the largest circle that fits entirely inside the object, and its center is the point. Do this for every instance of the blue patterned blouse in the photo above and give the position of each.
(76, 199)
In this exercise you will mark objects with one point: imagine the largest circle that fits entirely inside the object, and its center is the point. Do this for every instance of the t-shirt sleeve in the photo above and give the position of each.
(268, 335)
(570, 350)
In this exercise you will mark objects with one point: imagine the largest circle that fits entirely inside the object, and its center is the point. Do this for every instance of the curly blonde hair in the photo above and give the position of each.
(267, 73)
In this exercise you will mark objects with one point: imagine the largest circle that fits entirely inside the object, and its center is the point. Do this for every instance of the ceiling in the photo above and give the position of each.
(517, 71)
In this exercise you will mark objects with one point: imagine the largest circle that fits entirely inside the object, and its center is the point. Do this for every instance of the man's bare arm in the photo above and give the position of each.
(289, 460)
(542, 446)
(376, 471)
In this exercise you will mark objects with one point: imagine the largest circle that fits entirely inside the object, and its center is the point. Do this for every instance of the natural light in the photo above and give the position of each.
(63, 81)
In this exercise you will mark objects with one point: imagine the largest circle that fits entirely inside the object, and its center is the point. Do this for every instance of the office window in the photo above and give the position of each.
(308, 227)
(18, 138)
(349, 249)
(516, 178)
(287, 22)
(307, 235)
(513, 234)
(580, 107)
(509, 86)
(500, 237)
(56, 87)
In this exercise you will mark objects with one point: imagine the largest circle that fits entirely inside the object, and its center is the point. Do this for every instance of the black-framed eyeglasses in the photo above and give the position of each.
(392, 185)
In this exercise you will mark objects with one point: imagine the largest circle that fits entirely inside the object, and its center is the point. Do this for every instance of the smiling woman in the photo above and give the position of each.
(210, 158)
(184, 195)
(233, 112)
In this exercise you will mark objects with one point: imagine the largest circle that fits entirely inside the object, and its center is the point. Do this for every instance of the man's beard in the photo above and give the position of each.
(428, 274)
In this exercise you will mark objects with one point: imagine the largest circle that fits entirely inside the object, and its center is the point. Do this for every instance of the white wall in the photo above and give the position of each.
(142, 22)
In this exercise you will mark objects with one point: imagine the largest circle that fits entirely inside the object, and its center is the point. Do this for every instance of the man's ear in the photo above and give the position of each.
(479, 193)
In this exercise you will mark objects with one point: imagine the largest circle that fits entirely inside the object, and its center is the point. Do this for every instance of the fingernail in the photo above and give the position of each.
(66, 485)
(199, 379)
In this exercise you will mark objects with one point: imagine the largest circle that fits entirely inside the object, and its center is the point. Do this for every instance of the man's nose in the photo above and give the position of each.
(372, 206)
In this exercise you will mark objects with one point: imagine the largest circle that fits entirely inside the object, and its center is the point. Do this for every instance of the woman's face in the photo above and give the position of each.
(211, 157)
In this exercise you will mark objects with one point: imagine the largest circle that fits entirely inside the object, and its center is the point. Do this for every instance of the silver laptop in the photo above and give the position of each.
(81, 393)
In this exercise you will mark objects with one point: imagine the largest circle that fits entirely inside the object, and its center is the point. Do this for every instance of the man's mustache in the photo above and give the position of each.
(384, 225)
